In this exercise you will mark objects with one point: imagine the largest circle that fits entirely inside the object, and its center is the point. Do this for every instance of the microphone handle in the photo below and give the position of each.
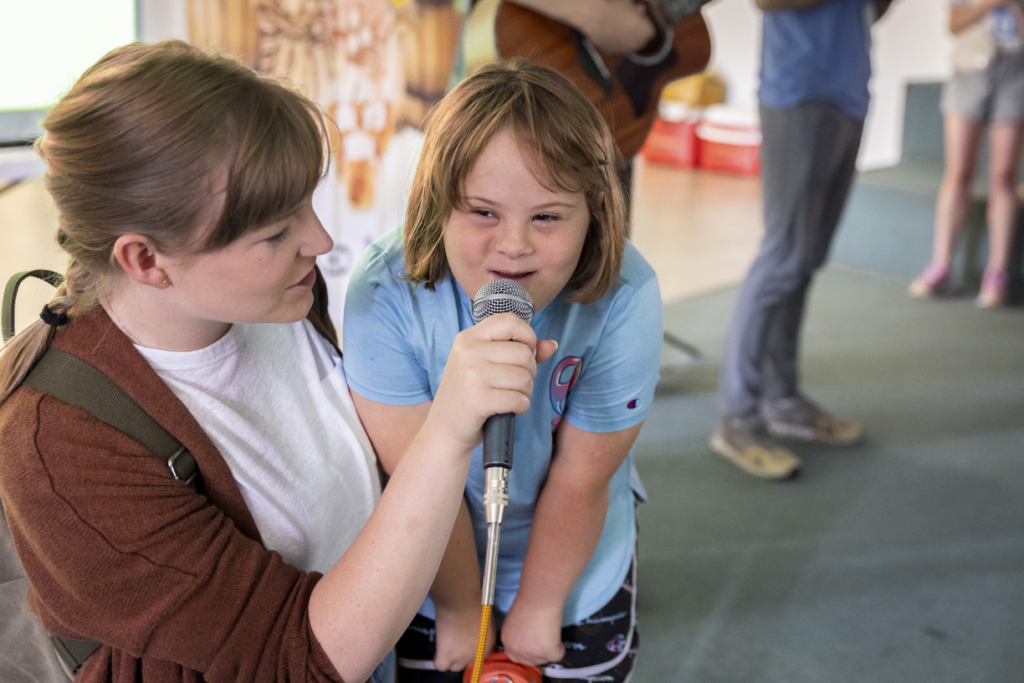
(499, 435)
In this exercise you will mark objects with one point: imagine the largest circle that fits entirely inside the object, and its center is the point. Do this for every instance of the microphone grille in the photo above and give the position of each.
(502, 296)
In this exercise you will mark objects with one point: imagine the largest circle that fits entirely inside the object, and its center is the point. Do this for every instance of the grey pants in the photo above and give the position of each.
(808, 159)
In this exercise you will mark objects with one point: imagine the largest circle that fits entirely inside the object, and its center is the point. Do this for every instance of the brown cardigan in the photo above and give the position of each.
(176, 584)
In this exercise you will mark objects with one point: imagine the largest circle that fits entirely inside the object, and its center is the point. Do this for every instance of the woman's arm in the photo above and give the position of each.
(456, 588)
(566, 528)
(364, 603)
(119, 552)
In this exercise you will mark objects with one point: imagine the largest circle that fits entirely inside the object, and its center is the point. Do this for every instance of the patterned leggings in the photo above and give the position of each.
(599, 649)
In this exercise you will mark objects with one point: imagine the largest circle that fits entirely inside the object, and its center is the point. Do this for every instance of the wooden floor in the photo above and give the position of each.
(698, 230)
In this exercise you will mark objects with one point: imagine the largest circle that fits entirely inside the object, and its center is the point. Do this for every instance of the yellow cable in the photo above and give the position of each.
(481, 643)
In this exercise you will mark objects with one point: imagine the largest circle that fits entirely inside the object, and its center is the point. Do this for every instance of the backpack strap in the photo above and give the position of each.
(11, 291)
(73, 381)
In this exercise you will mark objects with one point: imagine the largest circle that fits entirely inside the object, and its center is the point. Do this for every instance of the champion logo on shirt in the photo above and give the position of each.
(633, 404)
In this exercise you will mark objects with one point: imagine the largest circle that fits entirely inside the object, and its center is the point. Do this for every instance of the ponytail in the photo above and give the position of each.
(24, 350)
(79, 292)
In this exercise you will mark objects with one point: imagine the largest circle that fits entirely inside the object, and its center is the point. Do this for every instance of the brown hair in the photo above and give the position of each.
(133, 147)
(549, 116)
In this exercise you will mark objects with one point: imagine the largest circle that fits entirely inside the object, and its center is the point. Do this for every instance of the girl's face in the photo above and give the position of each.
(264, 276)
(513, 227)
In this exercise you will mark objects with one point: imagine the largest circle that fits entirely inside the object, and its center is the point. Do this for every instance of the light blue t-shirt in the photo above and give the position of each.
(397, 337)
(818, 53)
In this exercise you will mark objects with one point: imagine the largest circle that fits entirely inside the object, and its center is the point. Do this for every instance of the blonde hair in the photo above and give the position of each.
(132, 148)
(550, 116)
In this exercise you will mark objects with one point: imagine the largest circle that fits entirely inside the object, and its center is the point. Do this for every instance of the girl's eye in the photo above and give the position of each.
(545, 217)
(279, 237)
(484, 213)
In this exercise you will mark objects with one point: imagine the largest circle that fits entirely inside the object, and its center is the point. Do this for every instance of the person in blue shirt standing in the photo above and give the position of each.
(814, 97)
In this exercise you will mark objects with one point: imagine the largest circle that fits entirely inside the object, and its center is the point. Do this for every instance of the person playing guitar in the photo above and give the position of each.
(621, 53)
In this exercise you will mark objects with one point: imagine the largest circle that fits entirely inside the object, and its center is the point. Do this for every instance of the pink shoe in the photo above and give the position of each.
(994, 289)
(934, 281)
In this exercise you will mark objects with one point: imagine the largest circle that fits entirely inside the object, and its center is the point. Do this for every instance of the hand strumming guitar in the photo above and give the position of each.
(615, 26)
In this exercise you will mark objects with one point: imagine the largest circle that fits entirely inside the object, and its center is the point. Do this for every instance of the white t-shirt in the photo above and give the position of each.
(274, 400)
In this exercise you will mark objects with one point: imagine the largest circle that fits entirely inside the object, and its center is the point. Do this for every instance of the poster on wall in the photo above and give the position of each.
(374, 67)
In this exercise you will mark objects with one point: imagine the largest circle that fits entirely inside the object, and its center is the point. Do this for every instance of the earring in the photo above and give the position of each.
(166, 283)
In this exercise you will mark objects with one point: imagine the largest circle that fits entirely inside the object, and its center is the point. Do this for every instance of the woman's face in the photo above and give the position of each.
(264, 276)
(511, 226)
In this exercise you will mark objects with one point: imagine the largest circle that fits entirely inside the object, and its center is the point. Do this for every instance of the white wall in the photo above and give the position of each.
(162, 19)
(911, 45)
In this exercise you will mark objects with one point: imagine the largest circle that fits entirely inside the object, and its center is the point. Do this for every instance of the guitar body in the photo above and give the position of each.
(626, 93)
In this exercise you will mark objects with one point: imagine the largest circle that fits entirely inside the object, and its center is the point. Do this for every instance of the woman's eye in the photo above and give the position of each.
(278, 238)
(484, 213)
(545, 217)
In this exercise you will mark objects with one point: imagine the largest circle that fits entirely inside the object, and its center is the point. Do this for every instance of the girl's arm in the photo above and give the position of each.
(566, 528)
(963, 16)
(456, 588)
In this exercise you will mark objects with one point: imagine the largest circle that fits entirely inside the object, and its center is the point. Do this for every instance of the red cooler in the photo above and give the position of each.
(673, 137)
(729, 140)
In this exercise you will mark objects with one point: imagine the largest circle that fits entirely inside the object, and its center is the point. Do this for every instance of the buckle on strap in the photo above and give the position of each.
(183, 466)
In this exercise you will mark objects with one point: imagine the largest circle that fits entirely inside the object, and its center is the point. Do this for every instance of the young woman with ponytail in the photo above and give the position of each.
(183, 184)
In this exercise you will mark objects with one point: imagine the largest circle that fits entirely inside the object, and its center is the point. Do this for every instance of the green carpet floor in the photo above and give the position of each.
(900, 560)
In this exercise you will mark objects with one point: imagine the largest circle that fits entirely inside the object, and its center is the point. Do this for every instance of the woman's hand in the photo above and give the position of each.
(456, 637)
(533, 635)
(490, 371)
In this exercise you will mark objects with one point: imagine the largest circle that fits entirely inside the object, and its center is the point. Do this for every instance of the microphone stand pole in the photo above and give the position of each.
(499, 435)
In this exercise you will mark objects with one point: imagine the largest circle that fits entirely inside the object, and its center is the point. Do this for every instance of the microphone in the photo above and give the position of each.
(501, 296)
(498, 296)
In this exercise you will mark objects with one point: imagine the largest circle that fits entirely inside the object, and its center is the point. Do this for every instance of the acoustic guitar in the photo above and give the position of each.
(624, 88)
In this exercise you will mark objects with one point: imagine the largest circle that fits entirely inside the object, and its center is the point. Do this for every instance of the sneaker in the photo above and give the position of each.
(934, 281)
(740, 441)
(799, 418)
(994, 289)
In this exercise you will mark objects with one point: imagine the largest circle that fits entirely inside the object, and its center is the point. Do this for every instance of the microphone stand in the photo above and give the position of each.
(499, 435)
(496, 296)
(495, 502)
